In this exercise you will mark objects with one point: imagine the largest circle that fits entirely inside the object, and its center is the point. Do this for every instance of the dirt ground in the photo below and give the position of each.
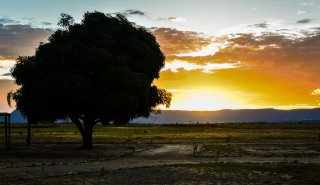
(168, 163)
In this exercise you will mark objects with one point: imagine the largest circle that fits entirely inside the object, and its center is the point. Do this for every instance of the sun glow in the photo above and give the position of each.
(316, 92)
(203, 100)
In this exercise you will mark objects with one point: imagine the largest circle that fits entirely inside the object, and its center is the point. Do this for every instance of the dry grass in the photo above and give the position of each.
(171, 133)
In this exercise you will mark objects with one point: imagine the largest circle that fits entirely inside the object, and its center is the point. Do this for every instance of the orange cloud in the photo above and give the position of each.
(297, 58)
(18, 39)
(272, 70)
(173, 41)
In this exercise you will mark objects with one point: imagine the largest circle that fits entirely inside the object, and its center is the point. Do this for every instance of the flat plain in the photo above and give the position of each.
(255, 153)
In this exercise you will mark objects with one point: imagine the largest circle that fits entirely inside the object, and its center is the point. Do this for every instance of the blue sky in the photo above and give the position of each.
(201, 15)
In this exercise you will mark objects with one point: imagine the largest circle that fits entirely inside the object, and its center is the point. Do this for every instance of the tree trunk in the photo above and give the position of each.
(29, 134)
(87, 138)
(87, 141)
(86, 129)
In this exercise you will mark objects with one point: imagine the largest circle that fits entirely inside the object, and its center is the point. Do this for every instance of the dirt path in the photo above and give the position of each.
(166, 154)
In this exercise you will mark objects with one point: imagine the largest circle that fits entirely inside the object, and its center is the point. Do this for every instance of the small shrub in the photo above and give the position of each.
(195, 147)
(217, 156)
(132, 147)
(228, 138)
(128, 139)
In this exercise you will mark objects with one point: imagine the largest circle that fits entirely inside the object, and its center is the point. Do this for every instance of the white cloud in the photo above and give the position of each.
(5, 67)
(307, 3)
(292, 30)
(173, 19)
(211, 49)
(301, 12)
(178, 19)
(206, 68)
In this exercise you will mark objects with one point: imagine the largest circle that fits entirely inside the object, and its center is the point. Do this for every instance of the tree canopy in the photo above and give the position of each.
(99, 70)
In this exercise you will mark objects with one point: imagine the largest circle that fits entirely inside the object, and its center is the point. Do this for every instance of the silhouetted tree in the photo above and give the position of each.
(99, 70)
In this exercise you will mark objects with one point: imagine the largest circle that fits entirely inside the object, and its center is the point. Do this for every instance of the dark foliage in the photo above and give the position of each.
(99, 70)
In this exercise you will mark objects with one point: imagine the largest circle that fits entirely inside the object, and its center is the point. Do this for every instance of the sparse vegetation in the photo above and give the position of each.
(231, 173)
(253, 154)
(195, 147)
(173, 133)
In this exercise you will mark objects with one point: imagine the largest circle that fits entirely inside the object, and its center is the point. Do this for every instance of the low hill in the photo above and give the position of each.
(235, 116)
(221, 116)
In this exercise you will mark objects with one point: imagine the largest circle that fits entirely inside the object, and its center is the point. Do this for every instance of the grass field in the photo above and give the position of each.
(164, 154)
(172, 133)
(202, 174)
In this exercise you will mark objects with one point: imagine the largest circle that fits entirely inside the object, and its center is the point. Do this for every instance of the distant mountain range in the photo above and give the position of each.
(234, 116)
(221, 116)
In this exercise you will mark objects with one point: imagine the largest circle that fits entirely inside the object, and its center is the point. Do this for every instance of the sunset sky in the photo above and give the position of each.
(220, 54)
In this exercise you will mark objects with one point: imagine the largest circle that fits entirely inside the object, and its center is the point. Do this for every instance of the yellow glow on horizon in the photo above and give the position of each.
(209, 100)
(203, 100)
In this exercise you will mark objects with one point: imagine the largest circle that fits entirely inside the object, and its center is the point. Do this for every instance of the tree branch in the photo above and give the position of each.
(76, 121)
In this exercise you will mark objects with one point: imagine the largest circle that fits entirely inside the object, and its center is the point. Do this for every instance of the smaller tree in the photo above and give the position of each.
(99, 70)
(65, 20)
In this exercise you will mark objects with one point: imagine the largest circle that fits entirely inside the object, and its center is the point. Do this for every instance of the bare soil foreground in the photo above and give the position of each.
(220, 154)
